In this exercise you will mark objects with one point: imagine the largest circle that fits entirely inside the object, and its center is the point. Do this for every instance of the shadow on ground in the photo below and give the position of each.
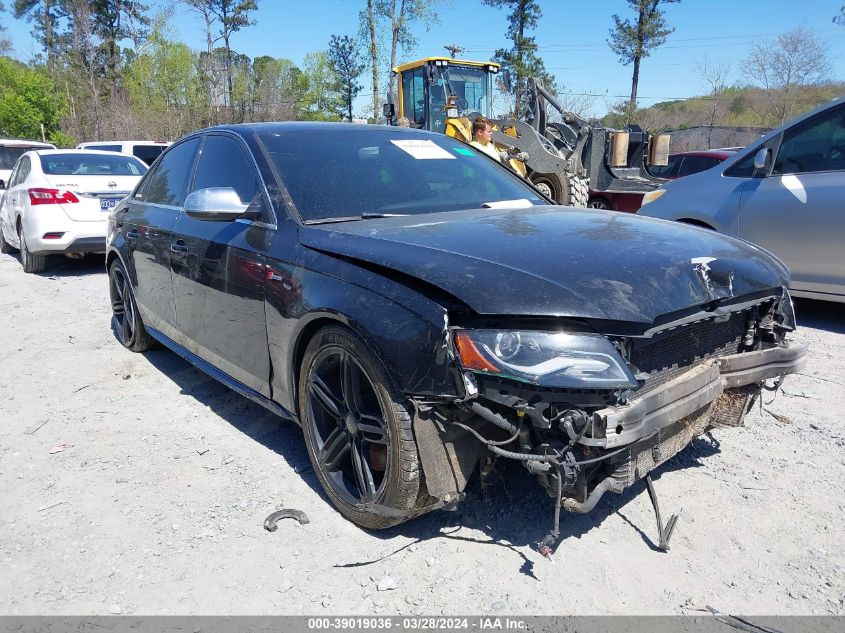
(510, 509)
(60, 266)
(820, 315)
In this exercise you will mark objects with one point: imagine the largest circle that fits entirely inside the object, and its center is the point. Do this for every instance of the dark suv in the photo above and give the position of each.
(417, 308)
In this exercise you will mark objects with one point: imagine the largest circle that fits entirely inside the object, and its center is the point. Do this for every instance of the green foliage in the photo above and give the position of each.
(320, 100)
(635, 40)
(345, 59)
(521, 60)
(28, 99)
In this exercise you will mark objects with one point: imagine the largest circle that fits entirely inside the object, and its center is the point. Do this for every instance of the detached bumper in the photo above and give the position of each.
(690, 392)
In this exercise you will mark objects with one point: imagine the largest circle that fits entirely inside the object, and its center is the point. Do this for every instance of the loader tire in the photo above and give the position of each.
(578, 191)
(565, 188)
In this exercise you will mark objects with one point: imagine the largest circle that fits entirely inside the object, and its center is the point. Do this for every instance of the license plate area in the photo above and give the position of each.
(107, 204)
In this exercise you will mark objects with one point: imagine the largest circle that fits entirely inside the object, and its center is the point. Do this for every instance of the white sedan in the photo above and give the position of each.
(57, 202)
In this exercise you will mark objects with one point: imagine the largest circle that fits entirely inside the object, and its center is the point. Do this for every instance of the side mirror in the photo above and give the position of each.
(761, 161)
(389, 111)
(218, 204)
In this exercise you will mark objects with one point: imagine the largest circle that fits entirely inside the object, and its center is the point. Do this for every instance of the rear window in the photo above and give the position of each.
(91, 165)
(335, 173)
(148, 153)
(10, 155)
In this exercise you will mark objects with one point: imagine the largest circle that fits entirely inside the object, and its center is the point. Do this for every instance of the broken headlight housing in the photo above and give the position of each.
(546, 359)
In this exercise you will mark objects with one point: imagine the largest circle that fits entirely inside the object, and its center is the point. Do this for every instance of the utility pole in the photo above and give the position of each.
(454, 50)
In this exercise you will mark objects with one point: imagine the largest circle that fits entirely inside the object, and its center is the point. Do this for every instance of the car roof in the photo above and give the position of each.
(82, 145)
(19, 142)
(298, 126)
(97, 152)
(716, 153)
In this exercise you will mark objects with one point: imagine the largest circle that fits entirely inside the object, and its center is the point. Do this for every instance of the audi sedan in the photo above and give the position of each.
(418, 309)
(57, 203)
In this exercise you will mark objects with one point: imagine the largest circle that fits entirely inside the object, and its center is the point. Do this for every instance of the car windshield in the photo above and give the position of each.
(91, 165)
(337, 173)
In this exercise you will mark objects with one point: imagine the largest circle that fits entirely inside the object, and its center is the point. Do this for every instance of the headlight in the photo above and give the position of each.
(651, 196)
(546, 359)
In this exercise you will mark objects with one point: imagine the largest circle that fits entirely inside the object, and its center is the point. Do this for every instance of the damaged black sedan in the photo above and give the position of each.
(417, 309)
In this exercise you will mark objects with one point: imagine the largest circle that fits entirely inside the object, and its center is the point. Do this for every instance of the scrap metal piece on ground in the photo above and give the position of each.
(664, 533)
(271, 521)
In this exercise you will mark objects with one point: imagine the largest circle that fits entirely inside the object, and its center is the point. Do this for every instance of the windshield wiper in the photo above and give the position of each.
(518, 203)
(351, 218)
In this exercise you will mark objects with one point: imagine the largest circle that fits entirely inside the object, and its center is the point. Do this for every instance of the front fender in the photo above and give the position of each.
(405, 331)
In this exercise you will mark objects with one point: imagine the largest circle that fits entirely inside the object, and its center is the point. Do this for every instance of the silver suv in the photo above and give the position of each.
(784, 193)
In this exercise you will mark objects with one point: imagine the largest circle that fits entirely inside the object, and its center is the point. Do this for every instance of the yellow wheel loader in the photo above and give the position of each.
(568, 158)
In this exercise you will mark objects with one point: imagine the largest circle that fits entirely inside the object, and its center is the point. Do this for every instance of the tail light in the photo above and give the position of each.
(51, 196)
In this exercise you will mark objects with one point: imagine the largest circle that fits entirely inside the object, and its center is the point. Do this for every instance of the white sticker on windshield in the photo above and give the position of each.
(422, 150)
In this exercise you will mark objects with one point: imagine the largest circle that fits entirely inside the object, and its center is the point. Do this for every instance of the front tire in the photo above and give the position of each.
(126, 319)
(358, 432)
(566, 189)
(5, 247)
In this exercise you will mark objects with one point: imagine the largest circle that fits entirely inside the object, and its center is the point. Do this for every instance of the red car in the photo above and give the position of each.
(679, 165)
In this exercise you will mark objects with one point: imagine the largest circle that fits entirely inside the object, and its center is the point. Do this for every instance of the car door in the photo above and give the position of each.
(18, 194)
(148, 220)
(219, 267)
(7, 207)
(796, 210)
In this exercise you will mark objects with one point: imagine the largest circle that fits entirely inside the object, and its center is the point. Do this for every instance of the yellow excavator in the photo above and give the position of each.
(568, 158)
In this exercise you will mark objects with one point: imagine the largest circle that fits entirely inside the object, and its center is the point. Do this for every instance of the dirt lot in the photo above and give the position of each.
(134, 484)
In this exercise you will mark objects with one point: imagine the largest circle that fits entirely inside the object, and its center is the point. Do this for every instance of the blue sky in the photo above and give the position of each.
(572, 38)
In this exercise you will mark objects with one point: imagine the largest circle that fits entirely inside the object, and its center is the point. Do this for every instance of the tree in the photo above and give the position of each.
(400, 16)
(46, 15)
(28, 100)
(5, 44)
(320, 100)
(345, 59)
(840, 19)
(164, 76)
(633, 41)
(793, 59)
(230, 16)
(368, 33)
(114, 21)
(715, 76)
(521, 60)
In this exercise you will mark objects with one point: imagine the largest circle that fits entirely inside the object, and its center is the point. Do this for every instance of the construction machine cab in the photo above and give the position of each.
(426, 85)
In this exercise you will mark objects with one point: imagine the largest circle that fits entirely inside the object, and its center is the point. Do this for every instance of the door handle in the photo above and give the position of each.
(132, 235)
(176, 247)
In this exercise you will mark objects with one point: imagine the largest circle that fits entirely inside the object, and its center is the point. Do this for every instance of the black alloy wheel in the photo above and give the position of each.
(127, 322)
(358, 432)
(599, 203)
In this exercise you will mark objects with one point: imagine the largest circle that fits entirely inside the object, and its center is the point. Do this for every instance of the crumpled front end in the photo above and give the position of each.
(589, 413)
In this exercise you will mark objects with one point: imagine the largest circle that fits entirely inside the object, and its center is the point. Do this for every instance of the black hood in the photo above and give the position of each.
(558, 261)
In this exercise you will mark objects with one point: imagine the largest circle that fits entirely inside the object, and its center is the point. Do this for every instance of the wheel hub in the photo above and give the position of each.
(351, 424)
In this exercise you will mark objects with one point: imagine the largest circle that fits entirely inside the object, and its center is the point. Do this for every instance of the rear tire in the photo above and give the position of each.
(31, 262)
(126, 319)
(358, 432)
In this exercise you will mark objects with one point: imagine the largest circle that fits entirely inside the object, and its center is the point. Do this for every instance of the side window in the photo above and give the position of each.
(669, 169)
(818, 145)
(13, 177)
(413, 97)
(224, 163)
(168, 184)
(147, 153)
(743, 168)
(695, 164)
(23, 170)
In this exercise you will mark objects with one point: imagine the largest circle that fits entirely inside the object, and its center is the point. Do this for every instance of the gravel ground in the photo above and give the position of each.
(134, 484)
